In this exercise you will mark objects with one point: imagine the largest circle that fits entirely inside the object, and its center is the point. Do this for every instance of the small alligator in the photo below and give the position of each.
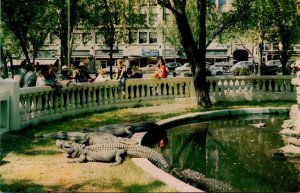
(82, 153)
(123, 130)
(89, 138)
(201, 181)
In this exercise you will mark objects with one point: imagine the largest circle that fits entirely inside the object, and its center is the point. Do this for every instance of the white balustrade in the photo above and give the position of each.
(38, 104)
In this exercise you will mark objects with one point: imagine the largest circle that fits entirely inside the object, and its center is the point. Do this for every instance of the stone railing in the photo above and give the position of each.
(251, 88)
(31, 106)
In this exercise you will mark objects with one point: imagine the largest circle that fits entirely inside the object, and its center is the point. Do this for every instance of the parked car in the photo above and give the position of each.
(185, 68)
(172, 65)
(246, 66)
(150, 68)
(271, 67)
(220, 68)
(273, 63)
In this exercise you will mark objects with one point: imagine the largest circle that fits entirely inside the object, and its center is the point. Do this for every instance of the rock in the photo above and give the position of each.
(258, 125)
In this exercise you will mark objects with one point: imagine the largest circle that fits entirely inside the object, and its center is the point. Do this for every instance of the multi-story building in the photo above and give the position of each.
(146, 44)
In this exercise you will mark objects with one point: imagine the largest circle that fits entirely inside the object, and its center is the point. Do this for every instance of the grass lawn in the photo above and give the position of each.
(32, 164)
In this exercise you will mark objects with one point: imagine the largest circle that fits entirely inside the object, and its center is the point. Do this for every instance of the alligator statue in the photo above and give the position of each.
(201, 181)
(89, 138)
(81, 153)
(123, 130)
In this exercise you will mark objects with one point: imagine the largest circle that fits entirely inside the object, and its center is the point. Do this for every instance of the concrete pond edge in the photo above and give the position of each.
(170, 180)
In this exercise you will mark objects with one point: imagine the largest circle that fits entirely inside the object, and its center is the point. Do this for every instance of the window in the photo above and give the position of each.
(99, 38)
(142, 37)
(153, 19)
(222, 2)
(85, 38)
(152, 2)
(152, 37)
(143, 18)
(52, 39)
(132, 37)
(77, 37)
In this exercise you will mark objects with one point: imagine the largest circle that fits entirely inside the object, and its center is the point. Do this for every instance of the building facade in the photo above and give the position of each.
(146, 44)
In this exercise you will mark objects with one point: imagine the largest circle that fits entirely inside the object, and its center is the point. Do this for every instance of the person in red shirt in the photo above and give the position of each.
(162, 71)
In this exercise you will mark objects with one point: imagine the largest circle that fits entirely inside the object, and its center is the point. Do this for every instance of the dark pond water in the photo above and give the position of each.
(233, 151)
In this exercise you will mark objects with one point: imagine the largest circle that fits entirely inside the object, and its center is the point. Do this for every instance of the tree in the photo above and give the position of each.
(20, 16)
(195, 46)
(59, 21)
(286, 29)
(8, 45)
(114, 20)
(171, 35)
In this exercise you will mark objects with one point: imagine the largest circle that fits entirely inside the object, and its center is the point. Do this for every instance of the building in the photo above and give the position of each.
(147, 44)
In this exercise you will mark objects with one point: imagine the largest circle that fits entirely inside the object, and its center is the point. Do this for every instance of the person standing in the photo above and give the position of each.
(30, 77)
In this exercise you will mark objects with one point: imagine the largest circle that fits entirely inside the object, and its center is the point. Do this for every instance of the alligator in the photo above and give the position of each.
(89, 138)
(201, 181)
(82, 153)
(123, 130)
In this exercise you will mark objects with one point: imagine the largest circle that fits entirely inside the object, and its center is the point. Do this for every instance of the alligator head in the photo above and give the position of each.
(69, 148)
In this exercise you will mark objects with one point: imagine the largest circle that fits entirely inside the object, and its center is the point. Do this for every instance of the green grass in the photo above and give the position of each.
(22, 146)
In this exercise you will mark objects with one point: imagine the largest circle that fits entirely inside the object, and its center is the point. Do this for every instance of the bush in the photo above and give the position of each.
(236, 71)
(242, 72)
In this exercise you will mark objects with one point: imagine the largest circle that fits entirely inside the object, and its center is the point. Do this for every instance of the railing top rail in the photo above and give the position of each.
(253, 77)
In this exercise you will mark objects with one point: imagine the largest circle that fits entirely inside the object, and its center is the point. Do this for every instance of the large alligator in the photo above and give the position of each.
(201, 181)
(89, 138)
(123, 130)
(98, 152)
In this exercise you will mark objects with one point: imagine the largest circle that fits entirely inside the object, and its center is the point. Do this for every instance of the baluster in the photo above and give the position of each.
(22, 108)
(73, 105)
(187, 89)
(39, 104)
(222, 92)
(28, 107)
(176, 89)
(165, 84)
(46, 103)
(264, 87)
(89, 100)
(115, 94)
(84, 98)
(62, 101)
(127, 92)
(94, 97)
(143, 91)
(110, 90)
(56, 103)
(67, 100)
(78, 98)
(105, 95)
(132, 93)
(148, 90)
(33, 107)
(100, 99)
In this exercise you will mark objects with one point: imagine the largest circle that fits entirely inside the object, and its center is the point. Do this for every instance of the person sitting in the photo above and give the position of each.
(162, 71)
(101, 76)
(63, 77)
(121, 74)
(82, 75)
(48, 78)
(30, 77)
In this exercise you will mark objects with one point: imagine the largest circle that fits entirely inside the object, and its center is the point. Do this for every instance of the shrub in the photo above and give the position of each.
(236, 71)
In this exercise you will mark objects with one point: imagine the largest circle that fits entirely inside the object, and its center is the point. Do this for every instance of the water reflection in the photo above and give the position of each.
(233, 151)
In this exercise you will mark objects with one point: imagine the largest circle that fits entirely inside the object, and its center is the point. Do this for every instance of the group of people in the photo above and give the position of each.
(49, 75)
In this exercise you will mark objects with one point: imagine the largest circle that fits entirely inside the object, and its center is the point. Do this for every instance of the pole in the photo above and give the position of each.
(69, 33)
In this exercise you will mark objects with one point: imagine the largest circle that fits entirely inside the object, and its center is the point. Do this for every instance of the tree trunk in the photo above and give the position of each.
(195, 55)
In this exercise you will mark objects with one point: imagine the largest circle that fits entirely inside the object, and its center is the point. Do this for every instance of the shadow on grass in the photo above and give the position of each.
(116, 185)
(26, 186)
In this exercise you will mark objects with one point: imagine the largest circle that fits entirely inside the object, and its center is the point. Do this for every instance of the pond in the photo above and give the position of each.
(234, 151)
